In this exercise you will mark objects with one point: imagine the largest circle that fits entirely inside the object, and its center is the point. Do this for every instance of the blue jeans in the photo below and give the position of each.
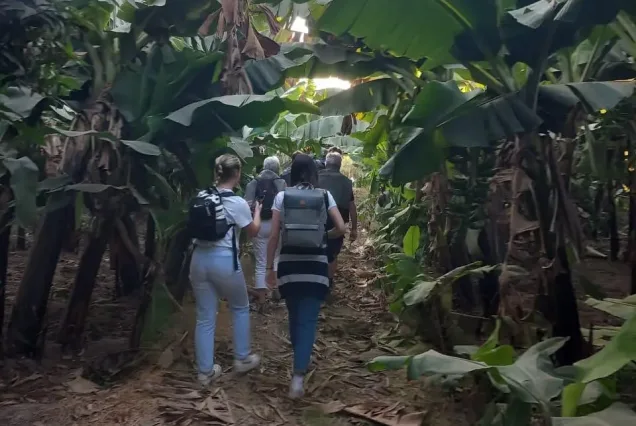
(212, 276)
(303, 319)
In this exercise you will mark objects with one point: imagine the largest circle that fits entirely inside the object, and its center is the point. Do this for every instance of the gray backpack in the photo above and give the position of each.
(304, 218)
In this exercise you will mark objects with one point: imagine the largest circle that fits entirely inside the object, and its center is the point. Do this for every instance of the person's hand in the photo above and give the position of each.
(270, 279)
(353, 235)
(257, 208)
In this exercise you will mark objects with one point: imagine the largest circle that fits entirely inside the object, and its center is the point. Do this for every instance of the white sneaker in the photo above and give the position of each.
(248, 364)
(206, 378)
(297, 387)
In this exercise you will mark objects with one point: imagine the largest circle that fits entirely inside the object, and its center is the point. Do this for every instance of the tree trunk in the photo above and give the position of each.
(631, 245)
(5, 237)
(488, 284)
(25, 334)
(148, 284)
(598, 208)
(612, 224)
(150, 243)
(176, 260)
(72, 326)
(567, 322)
(184, 278)
(128, 274)
(20, 243)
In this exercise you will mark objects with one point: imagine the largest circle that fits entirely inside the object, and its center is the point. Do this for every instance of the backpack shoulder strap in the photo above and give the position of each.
(226, 194)
(326, 196)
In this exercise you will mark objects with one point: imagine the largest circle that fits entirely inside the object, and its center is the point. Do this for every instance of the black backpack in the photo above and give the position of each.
(266, 191)
(207, 220)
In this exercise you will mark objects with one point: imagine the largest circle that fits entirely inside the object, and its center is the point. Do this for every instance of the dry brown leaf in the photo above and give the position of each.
(218, 410)
(331, 407)
(270, 47)
(377, 415)
(231, 11)
(253, 48)
(27, 379)
(82, 386)
(166, 358)
(189, 395)
(204, 29)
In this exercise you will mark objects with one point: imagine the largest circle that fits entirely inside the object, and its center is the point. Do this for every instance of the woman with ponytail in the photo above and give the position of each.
(215, 273)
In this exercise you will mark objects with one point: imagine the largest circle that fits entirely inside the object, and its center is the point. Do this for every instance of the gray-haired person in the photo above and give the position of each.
(264, 189)
(341, 187)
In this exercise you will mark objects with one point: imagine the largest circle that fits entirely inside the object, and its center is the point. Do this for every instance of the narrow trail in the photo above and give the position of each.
(340, 390)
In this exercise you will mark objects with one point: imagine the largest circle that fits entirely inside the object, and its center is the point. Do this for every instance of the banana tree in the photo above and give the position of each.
(32, 53)
(492, 41)
(100, 161)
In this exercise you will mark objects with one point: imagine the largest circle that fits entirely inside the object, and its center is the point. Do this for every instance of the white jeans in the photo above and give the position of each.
(260, 254)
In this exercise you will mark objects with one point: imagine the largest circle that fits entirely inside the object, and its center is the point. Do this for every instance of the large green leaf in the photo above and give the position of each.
(298, 60)
(531, 378)
(17, 102)
(617, 414)
(436, 102)
(533, 372)
(621, 308)
(387, 363)
(470, 30)
(423, 288)
(168, 80)
(347, 143)
(212, 117)
(172, 17)
(421, 154)
(24, 184)
(421, 29)
(324, 128)
(411, 241)
(241, 147)
(594, 95)
(361, 98)
(475, 123)
(615, 355)
(432, 362)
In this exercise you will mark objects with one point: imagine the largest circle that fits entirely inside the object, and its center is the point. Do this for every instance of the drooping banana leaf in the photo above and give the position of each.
(464, 29)
(173, 17)
(480, 123)
(211, 117)
(447, 118)
(297, 60)
(361, 98)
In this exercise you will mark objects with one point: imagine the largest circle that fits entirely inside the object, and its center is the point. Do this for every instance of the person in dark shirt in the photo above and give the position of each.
(341, 188)
(286, 175)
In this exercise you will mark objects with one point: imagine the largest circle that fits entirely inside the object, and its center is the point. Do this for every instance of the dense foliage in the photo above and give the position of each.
(485, 132)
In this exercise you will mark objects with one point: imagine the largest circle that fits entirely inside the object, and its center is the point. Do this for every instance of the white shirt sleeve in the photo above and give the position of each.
(278, 201)
(240, 211)
(332, 202)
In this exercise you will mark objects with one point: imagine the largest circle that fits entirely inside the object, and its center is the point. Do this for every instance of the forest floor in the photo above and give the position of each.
(160, 388)
(107, 385)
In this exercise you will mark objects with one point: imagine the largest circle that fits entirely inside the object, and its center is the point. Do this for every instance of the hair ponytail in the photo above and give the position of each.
(226, 167)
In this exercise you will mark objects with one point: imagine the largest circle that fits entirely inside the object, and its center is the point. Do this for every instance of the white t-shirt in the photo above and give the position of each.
(237, 212)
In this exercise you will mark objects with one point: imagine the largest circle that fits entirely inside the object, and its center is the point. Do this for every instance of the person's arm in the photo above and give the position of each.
(353, 212)
(272, 244)
(339, 227)
(254, 225)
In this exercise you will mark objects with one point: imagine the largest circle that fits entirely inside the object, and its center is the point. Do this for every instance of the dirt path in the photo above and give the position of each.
(352, 330)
